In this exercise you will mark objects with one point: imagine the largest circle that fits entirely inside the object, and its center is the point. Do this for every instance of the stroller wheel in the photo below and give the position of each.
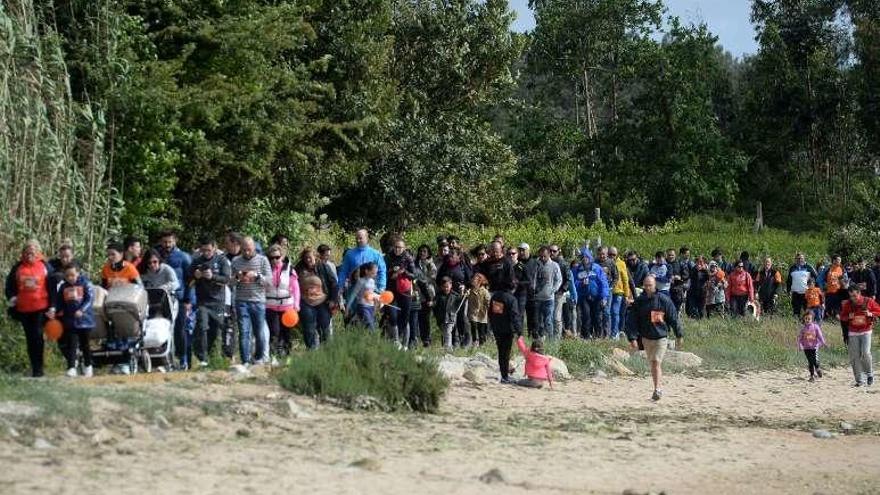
(148, 361)
(133, 363)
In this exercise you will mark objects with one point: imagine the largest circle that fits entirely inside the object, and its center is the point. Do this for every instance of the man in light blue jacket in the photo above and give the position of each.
(359, 255)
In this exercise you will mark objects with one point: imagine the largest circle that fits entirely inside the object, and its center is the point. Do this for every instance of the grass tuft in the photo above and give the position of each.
(356, 364)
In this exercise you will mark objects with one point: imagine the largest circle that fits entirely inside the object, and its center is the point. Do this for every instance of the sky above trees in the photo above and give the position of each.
(728, 19)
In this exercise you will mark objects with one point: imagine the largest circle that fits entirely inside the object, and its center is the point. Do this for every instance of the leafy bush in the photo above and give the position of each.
(356, 363)
(854, 240)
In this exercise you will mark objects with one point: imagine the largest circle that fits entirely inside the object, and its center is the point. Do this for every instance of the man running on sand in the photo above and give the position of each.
(650, 317)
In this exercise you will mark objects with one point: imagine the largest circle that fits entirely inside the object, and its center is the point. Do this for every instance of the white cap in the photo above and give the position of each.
(524, 246)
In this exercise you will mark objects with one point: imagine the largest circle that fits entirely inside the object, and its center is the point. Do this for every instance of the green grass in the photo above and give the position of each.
(724, 344)
(58, 400)
(355, 364)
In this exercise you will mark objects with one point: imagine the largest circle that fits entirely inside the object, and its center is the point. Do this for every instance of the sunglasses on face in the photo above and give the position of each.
(512, 253)
(273, 258)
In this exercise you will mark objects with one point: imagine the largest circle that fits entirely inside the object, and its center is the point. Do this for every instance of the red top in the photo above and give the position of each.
(31, 282)
(859, 316)
(537, 365)
(740, 284)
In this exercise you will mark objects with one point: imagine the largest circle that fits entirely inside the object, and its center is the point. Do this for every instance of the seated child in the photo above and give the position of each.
(537, 365)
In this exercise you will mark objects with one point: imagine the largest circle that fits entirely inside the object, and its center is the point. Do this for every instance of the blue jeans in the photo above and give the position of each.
(367, 316)
(546, 317)
(316, 324)
(251, 315)
(616, 302)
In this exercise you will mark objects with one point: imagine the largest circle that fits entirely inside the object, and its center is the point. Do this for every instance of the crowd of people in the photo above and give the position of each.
(494, 291)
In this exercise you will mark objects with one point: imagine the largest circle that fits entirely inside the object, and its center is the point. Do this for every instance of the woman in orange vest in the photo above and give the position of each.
(29, 294)
(835, 292)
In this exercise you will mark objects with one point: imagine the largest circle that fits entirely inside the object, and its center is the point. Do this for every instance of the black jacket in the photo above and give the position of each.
(499, 273)
(681, 269)
(866, 277)
(525, 272)
(211, 291)
(399, 266)
(504, 317)
(460, 273)
(651, 317)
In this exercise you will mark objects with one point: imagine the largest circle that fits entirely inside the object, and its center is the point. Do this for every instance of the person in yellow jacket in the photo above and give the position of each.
(621, 294)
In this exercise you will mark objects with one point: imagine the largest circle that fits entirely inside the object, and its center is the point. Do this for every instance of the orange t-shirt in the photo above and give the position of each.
(814, 297)
(128, 275)
(832, 280)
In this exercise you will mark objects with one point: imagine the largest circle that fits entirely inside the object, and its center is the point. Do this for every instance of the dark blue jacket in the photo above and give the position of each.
(180, 262)
(76, 297)
(651, 317)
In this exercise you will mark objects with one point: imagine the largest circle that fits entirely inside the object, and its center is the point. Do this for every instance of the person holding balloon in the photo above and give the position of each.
(29, 293)
(73, 306)
(362, 302)
(282, 296)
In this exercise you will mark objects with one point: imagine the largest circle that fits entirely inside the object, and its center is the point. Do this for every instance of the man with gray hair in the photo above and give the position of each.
(252, 273)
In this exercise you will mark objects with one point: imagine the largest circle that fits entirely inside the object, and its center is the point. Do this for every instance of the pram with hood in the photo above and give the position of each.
(134, 327)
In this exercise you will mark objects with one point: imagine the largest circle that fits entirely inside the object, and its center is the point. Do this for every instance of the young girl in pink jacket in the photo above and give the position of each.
(537, 365)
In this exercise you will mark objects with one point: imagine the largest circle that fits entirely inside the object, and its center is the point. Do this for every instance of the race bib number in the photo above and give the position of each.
(583, 275)
(810, 337)
(657, 316)
(29, 283)
(73, 294)
(860, 321)
(497, 308)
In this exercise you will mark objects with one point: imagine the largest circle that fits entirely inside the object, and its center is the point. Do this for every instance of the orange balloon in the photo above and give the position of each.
(386, 297)
(290, 318)
(53, 330)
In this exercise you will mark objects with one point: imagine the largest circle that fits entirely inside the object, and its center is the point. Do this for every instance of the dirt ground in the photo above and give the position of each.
(732, 434)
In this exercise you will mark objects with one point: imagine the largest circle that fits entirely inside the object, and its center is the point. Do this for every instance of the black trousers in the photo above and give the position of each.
(812, 360)
(504, 341)
(33, 332)
(798, 304)
(279, 335)
(73, 338)
(738, 305)
(768, 305)
(209, 322)
(479, 332)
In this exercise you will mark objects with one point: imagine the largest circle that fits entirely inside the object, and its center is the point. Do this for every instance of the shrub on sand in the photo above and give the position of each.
(357, 364)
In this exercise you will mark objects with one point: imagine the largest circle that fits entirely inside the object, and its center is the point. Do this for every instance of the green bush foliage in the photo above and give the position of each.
(356, 363)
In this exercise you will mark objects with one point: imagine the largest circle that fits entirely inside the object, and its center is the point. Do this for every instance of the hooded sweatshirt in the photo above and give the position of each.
(548, 279)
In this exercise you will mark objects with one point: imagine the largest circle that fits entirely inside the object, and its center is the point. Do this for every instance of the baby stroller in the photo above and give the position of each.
(118, 337)
(158, 343)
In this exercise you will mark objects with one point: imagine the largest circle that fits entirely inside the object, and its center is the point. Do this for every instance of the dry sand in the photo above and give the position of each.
(734, 434)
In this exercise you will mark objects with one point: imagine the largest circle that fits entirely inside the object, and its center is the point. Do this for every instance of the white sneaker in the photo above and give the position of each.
(71, 372)
(124, 369)
(274, 361)
(88, 372)
(203, 364)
